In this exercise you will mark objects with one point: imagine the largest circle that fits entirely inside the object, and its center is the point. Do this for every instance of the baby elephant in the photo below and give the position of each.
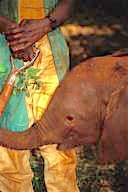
(90, 106)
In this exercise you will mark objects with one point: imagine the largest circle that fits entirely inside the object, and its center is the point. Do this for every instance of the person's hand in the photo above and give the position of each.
(25, 55)
(7, 25)
(28, 33)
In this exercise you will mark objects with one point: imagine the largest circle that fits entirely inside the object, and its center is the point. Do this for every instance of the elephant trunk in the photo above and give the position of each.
(21, 140)
(38, 135)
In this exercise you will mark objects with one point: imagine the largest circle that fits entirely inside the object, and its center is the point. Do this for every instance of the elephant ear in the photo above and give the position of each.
(113, 144)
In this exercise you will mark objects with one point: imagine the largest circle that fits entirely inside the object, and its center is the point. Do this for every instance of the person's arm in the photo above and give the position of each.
(6, 24)
(30, 31)
(62, 11)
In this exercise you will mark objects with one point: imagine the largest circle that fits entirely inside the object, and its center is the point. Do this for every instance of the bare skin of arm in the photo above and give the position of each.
(6, 24)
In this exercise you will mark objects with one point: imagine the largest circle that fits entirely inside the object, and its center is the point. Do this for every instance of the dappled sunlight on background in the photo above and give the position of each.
(94, 40)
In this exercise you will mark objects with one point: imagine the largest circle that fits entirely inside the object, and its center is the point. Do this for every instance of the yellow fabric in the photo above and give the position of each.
(26, 9)
(15, 172)
(59, 170)
(39, 99)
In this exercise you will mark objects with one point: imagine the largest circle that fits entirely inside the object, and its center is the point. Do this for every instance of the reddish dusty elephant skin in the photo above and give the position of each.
(90, 106)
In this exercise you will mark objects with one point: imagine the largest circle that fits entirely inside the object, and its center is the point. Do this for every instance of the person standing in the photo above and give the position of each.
(39, 25)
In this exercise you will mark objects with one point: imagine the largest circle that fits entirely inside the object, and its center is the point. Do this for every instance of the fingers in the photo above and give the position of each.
(24, 35)
(14, 31)
(23, 27)
(23, 22)
(13, 37)
(12, 26)
(23, 55)
(22, 43)
(6, 24)
(14, 42)
(20, 47)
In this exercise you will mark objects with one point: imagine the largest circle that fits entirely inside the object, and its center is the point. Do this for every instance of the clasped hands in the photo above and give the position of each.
(21, 37)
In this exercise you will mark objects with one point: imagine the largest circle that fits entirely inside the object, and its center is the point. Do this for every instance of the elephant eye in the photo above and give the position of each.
(70, 118)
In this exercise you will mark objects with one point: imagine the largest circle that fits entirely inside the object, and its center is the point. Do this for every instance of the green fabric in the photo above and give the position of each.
(60, 53)
(9, 9)
(15, 116)
(49, 5)
(58, 45)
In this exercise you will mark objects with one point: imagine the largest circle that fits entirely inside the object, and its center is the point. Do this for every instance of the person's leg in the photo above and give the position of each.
(60, 169)
(15, 171)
